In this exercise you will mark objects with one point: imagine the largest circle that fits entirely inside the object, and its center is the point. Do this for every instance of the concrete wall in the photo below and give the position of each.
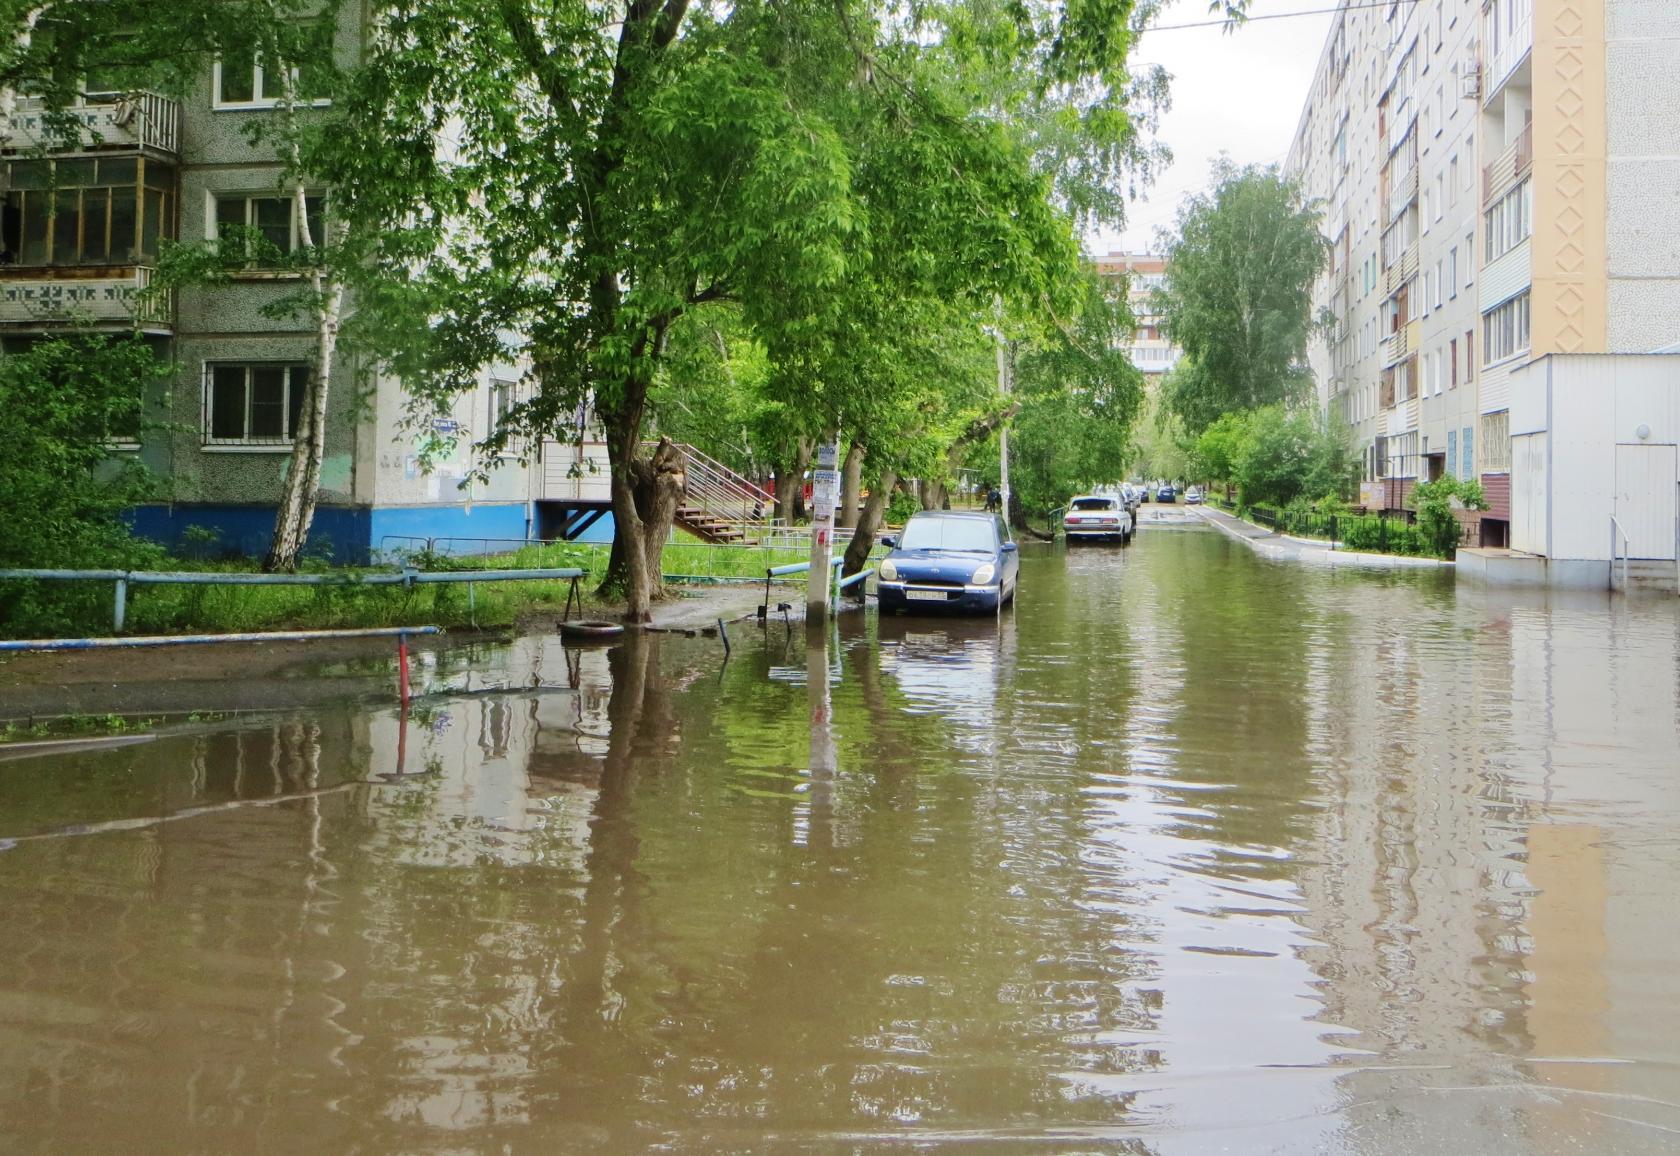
(1590, 404)
(1642, 101)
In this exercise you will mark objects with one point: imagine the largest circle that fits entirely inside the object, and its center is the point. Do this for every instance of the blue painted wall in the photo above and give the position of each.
(601, 531)
(340, 532)
(404, 524)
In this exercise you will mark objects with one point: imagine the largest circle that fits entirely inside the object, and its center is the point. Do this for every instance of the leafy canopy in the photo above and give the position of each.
(1238, 294)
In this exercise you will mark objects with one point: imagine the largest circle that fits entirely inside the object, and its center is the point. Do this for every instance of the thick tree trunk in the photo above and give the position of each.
(790, 485)
(645, 494)
(869, 521)
(851, 483)
(303, 479)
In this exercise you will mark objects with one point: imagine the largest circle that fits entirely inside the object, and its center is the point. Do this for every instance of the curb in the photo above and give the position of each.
(1313, 552)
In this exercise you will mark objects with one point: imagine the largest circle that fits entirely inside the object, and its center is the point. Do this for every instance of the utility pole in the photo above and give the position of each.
(825, 480)
(1006, 374)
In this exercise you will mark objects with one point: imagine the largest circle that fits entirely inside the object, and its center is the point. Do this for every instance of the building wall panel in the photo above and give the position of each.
(1506, 277)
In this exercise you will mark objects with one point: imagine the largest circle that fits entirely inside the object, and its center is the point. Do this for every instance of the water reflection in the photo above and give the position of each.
(1188, 852)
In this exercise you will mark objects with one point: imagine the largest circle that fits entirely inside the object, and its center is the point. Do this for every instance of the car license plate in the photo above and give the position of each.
(925, 595)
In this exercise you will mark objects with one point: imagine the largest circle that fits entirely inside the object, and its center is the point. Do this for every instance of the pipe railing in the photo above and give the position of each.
(1627, 548)
(406, 577)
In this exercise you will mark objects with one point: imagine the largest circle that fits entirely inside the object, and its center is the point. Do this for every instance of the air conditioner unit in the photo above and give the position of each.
(1470, 81)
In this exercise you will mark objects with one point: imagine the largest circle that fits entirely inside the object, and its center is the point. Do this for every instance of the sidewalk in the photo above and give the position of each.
(1283, 548)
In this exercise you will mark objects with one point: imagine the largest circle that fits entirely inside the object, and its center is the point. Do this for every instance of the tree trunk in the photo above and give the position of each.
(303, 479)
(785, 483)
(863, 538)
(790, 485)
(851, 482)
(645, 494)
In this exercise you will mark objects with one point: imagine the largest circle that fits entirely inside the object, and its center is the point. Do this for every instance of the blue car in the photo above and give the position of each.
(949, 561)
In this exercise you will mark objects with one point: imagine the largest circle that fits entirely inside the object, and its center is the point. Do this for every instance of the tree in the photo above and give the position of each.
(1277, 455)
(63, 401)
(1080, 397)
(615, 168)
(1238, 294)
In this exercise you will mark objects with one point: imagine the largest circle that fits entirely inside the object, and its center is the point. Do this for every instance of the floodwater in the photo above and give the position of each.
(1190, 852)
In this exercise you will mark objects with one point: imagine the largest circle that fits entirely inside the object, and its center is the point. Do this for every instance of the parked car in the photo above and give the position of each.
(1193, 496)
(1097, 518)
(949, 561)
(1166, 493)
(1142, 491)
(1132, 496)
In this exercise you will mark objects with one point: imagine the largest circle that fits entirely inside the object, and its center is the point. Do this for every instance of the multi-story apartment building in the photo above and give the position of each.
(83, 223)
(1491, 173)
(1150, 350)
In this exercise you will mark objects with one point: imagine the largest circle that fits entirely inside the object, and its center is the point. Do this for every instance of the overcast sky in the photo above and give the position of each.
(1239, 94)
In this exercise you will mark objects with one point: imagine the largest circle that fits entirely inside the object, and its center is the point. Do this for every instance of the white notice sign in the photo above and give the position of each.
(825, 488)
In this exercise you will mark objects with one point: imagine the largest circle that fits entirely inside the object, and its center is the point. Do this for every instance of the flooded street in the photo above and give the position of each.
(1190, 852)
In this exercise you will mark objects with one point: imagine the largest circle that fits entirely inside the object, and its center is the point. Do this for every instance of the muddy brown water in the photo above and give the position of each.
(1190, 852)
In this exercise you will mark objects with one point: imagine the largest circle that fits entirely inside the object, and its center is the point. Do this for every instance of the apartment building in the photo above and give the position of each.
(1387, 144)
(83, 224)
(1493, 176)
(1150, 350)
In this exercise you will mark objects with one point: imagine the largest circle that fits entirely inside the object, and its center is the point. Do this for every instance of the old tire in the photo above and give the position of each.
(590, 630)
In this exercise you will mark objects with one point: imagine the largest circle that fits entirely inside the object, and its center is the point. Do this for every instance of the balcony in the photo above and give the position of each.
(99, 298)
(1400, 344)
(1397, 275)
(141, 120)
(1509, 37)
(1510, 166)
(1400, 126)
(1404, 192)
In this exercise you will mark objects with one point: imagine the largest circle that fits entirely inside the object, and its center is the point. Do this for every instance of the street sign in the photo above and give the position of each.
(828, 456)
(825, 489)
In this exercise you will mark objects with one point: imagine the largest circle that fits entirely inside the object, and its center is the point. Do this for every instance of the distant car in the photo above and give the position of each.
(1166, 493)
(1132, 496)
(1142, 491)
(1193, 496)
(1097, 517)
(949, 561)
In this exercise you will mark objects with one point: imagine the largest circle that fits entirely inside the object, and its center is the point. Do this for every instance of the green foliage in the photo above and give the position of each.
(1238, 294)
(1437, 524)
(1274, 455)
(1382, 536)
(62, 490)
(1080, 398)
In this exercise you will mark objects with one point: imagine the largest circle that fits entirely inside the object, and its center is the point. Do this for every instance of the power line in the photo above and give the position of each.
(1276, 16)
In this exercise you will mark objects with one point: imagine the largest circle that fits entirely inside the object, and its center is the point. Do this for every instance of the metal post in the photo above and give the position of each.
(825, 478)
(119, 611)
(402, 669)
(723, 633)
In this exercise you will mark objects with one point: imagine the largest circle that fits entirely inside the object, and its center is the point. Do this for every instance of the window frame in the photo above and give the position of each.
(259, 99)
(296, 381)
(249, 197)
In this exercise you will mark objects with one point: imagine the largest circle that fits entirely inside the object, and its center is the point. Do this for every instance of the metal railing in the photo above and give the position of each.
(1627, 548)
(407, 577)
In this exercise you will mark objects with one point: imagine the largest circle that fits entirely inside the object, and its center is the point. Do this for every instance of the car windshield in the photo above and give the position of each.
(1093, 503)
(948, 534)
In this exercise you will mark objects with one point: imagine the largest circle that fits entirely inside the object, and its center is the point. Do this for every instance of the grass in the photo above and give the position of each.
(169, 609)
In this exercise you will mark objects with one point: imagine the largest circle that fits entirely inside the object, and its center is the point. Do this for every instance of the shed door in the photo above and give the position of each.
(1528, 493)
(1645, 499)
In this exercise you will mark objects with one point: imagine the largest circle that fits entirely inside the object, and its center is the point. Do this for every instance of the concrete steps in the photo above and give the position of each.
(1646, 576)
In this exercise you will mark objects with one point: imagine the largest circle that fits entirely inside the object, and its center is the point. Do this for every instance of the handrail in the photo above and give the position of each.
(1627, 544)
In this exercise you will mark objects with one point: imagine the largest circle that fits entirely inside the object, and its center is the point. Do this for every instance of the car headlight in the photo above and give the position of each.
(888, 572)
(983, 575)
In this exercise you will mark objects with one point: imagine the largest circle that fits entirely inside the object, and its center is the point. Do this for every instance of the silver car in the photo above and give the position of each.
(1097, 517)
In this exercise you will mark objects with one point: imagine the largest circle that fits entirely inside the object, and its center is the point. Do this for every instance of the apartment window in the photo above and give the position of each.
(1429, 292)
(1452, 181)
(85, 211)
(1452, 273)
(1496, 442)
(271, 219)
(1452, 452)
(1508, 222)
(1469, 259)
(1440, 280)
(504, 396)
(1505, 330)
(1469, 356)
(1440, 370)
(253, 405)
(1452, 350)
(1466, 445)
(1440, 195)
(241, 79)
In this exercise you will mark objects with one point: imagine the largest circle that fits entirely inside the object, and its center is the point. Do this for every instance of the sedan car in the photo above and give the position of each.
(1166, 493)
(1193, 496)
(1097, 518)
(949, 561)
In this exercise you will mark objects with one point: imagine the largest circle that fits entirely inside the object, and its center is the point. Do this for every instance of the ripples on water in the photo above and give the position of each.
(1190, 852)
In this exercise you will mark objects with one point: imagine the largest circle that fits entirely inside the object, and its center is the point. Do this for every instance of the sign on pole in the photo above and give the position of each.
(825, 482)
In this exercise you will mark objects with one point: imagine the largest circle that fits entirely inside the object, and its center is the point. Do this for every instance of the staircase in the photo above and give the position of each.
(1646, 576)
(719, 505)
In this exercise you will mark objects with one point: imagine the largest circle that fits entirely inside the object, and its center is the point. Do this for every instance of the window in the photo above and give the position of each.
(1439, 278)
(1496, 442)
(85, 211)
(1452, 181)
(273, 219)
(1469, 356)
(1452, 273)
(1468, 441)
(1452, 351)
(1440, 195)
(1452, 452)
(253, 404)
(240, 80)
(1429, 292)
(1505, 330)
(1508, 222)
(1469, 259)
